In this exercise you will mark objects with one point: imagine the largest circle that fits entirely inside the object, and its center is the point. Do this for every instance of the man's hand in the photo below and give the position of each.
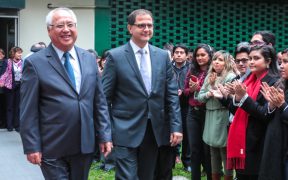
(106, 148)
(180, 92)
(35, 158)
(176, 138)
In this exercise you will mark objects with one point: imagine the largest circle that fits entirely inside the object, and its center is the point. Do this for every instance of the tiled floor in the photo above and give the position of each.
(13, 163)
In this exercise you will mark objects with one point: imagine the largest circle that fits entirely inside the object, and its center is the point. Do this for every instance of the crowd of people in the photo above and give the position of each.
(229, 112)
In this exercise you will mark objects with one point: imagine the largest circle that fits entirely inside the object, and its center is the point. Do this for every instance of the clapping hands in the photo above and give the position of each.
(223, 91)
(275, 96)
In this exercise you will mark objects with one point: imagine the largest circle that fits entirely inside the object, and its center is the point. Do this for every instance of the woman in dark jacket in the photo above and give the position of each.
(274, 164)
(11, 80)
(195, 120)
(247, 131)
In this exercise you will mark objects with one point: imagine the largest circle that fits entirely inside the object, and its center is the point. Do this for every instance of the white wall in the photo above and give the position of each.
(32, 27)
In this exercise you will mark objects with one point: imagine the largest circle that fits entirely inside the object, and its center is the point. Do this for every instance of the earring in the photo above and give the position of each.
(267, 66)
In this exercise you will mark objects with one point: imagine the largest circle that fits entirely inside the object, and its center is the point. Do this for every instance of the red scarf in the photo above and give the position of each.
(236, 142)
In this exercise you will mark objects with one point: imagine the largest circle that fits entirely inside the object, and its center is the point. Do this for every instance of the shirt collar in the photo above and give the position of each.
(60, 52)
(137, 48)
(184, 64)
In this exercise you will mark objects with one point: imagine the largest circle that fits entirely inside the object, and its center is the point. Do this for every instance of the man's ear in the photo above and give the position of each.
(129, 28)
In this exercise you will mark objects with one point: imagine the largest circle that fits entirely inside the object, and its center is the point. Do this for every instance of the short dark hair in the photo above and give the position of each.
(267, 36)
(182, 46)
(242, 47)
(132, 16)
(168, 46)
(284, 51)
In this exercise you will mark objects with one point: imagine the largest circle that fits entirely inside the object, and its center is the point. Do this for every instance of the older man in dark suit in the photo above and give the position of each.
(63, 107)
(142, 96)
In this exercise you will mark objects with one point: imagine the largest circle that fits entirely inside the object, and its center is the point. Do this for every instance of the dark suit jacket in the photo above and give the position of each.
(54, 118)
(130, 103)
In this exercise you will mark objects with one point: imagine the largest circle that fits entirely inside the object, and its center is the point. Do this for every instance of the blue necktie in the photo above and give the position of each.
(69, 68)
(144, 71)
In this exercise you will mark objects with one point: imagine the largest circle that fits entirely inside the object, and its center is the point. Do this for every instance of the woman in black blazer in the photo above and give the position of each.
(274, 164)
(247, 131)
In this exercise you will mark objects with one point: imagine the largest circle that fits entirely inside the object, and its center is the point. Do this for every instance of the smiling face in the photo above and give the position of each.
(241, 61)
(202, 57)
(62, 31)
(257, 62)
(141, 31)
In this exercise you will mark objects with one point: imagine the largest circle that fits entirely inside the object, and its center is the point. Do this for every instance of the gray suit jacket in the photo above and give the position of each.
(54, 118)
(130, 103)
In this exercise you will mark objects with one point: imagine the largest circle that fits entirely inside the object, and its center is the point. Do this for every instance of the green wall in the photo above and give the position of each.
(221, 24)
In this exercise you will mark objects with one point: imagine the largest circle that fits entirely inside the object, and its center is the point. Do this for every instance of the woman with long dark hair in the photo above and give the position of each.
(202, 58)
(274, 163)
(247, 131)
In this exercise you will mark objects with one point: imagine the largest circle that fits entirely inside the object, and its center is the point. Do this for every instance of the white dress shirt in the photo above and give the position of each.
(74, 63)
(138, 56)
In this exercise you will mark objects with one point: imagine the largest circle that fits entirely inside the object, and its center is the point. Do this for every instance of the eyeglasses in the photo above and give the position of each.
(179, 52)
(243, 60)
(62, 26)
(257, 43)
(143, 26)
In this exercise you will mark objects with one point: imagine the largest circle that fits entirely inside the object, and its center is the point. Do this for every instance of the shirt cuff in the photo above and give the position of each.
(240, 103)
(283, 107)
(270, 111)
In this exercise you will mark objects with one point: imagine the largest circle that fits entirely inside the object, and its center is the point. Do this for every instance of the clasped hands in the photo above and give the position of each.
(236, 88)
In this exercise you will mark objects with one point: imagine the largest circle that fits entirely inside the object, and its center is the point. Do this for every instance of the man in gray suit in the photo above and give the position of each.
(63, 106)
(142, 96)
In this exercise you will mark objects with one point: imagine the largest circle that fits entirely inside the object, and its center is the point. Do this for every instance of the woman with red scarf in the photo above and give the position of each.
(247, 131)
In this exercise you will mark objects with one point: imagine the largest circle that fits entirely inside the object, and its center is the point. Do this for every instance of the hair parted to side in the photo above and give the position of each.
(267, 36)
(242, 47)
(195, 68)
(132, 16)
(228, 67)
(182, 46)
(50, 15)
(13, 51)
(269, 54)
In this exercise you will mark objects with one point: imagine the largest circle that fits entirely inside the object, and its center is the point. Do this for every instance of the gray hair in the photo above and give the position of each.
(50, 15)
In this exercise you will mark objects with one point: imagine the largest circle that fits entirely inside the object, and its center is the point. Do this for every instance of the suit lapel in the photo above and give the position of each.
(55, 62)
(82, 64)
(154, 66)
(132, 61)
